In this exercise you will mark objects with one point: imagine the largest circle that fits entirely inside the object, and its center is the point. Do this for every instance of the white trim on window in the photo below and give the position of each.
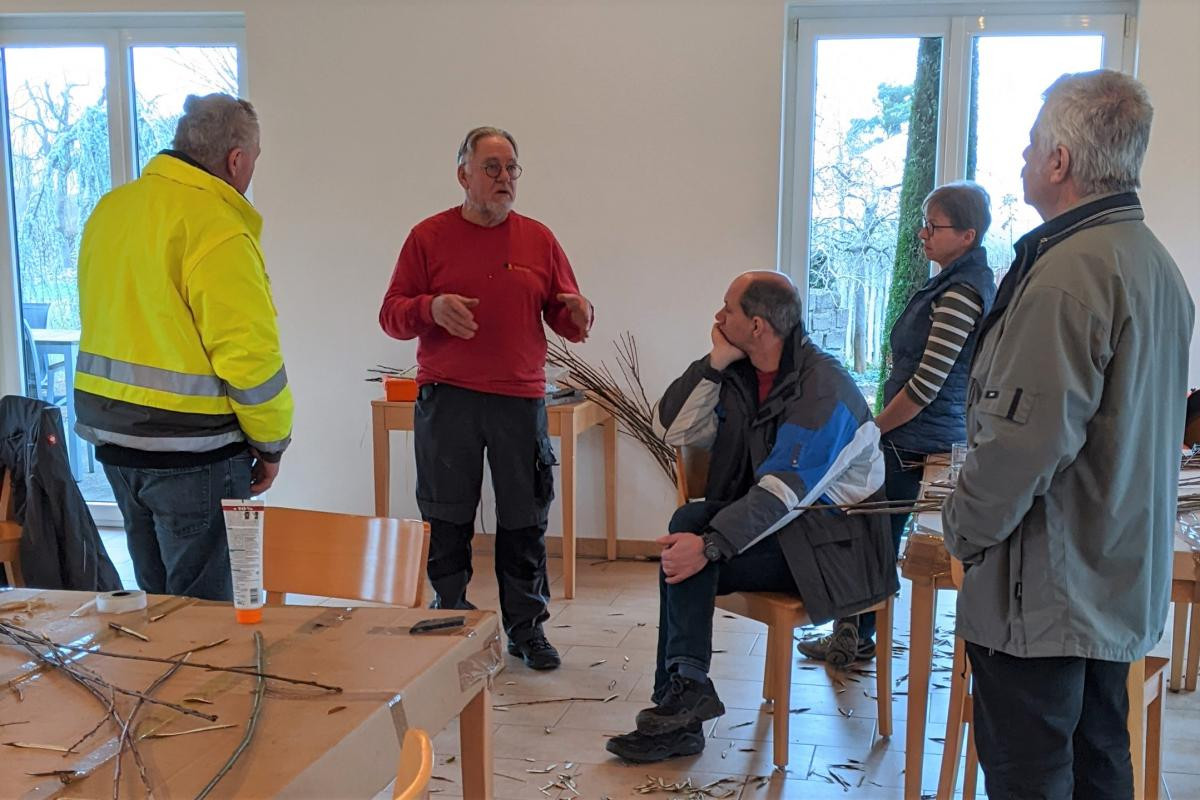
(957, 23)
(117, 33)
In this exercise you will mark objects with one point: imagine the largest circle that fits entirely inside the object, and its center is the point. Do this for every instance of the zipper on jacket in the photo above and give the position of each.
(1018, 590)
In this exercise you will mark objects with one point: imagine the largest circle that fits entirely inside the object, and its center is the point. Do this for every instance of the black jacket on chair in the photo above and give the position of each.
(60, 547)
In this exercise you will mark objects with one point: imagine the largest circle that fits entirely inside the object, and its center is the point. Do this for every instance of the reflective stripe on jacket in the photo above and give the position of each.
(179, 349)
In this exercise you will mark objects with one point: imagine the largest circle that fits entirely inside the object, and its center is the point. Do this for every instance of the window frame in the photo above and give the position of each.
(118, 35)
(957, 24)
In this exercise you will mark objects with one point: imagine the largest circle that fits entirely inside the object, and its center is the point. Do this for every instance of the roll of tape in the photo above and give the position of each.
(120, 602)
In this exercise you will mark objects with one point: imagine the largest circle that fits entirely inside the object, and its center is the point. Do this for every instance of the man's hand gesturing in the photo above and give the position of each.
(581, 312)
(453, 312)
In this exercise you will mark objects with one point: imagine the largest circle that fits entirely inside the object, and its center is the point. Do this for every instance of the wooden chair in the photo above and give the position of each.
(377, 559)
(416, 766)
(1146, 686)
(10, 533)
(782, 613)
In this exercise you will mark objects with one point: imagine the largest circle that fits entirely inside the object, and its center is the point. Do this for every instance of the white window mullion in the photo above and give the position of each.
(120, 131)
(956, 102)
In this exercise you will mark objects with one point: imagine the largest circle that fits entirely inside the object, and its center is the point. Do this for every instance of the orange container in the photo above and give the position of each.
(399, 390)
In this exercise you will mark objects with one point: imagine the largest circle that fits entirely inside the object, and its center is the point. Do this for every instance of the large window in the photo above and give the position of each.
(81, 111)
(880, 111)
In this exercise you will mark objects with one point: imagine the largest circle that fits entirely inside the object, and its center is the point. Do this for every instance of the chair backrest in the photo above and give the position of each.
(6, 494)
(36, 314)
(416, 766)
(34, 374)
(378, 559)
(691, 472)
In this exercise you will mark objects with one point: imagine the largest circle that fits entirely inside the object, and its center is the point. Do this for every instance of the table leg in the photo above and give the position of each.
(1193, 659)
(475, 741)
(610, 487)
(567, 436)
(380, 447)
(1136, 685)
(920, 660)
(1178, 641)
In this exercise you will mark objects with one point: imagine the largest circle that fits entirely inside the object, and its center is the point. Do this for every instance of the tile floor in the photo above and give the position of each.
(607, 636)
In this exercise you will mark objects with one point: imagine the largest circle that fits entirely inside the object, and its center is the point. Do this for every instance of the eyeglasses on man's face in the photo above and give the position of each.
(493, 168)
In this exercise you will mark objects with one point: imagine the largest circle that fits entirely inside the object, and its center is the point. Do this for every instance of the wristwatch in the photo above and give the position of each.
(711, 551)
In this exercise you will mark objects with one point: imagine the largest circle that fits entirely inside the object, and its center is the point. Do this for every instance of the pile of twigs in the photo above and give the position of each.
(627, 403)
(59, 656)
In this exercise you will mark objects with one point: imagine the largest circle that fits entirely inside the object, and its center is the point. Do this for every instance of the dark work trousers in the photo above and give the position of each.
(685, 610)
(453, 427)
(1051, 728)
(175, 527)
(900, 483)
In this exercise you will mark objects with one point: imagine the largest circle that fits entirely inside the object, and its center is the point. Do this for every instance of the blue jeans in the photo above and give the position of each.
(685, 609)
(174, 525)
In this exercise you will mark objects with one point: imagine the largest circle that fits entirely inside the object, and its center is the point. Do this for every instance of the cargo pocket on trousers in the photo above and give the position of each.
(543, 473)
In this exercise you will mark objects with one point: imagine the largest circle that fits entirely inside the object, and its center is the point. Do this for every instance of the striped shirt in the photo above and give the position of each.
(955, 315)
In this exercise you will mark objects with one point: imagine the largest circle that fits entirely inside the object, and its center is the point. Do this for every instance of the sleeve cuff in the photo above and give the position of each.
(727, 550)
(426, 308)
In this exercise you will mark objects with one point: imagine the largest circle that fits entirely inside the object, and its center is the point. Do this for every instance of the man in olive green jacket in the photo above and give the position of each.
(1065, 508)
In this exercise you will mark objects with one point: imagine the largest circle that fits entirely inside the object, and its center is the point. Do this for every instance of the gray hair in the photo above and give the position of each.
(776, 301)
(213, 125)
(467, 148)
(1103, 120)
(965, 203)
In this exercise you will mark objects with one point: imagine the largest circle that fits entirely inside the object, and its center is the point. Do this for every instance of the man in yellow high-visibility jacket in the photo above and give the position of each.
(180, 382)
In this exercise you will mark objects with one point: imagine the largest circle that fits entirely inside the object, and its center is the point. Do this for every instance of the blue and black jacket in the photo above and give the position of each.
(812, 442)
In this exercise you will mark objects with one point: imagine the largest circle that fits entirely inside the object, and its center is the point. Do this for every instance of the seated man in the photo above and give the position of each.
(787, 430)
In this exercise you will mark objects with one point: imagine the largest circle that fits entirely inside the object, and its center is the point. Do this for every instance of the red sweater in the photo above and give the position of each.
(516, 269)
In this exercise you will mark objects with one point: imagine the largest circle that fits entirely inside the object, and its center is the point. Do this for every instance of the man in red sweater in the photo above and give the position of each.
(473, 285)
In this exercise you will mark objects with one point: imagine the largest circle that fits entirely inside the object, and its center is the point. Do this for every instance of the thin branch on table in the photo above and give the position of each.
(125, 738)
(29, 639)
(9, 630)
(77, 673)
(112, 702)
(260, 688)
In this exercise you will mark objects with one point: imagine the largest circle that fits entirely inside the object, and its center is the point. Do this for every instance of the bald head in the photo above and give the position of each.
(769, 295)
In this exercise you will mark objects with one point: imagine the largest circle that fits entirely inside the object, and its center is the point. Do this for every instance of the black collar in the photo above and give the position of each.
(1030, 247)
(185, 158)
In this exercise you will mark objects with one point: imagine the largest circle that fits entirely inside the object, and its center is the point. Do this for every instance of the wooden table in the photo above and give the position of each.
(930, 574)
(307, 743)
(566, 421)
(1185, 593)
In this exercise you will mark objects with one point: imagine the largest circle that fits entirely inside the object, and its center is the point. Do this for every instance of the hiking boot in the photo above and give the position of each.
(643, 748)
(536, 652)
(840, 648)
(685, 702)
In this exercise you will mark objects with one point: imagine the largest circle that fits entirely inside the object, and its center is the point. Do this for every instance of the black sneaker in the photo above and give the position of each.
(536, 652)
(643, 748)
(840, 648)
(686, 701)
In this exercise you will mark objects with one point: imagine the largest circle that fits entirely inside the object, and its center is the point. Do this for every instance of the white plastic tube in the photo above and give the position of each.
(244, 529)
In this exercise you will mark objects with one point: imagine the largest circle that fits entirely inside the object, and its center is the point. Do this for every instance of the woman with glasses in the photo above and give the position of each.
(925, 396)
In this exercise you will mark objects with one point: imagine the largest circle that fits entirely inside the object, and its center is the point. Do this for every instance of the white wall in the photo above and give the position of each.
(1169, 65)
(650, 136)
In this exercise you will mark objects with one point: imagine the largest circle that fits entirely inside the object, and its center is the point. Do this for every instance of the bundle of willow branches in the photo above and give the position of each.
(626, 401)
(932, 502)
